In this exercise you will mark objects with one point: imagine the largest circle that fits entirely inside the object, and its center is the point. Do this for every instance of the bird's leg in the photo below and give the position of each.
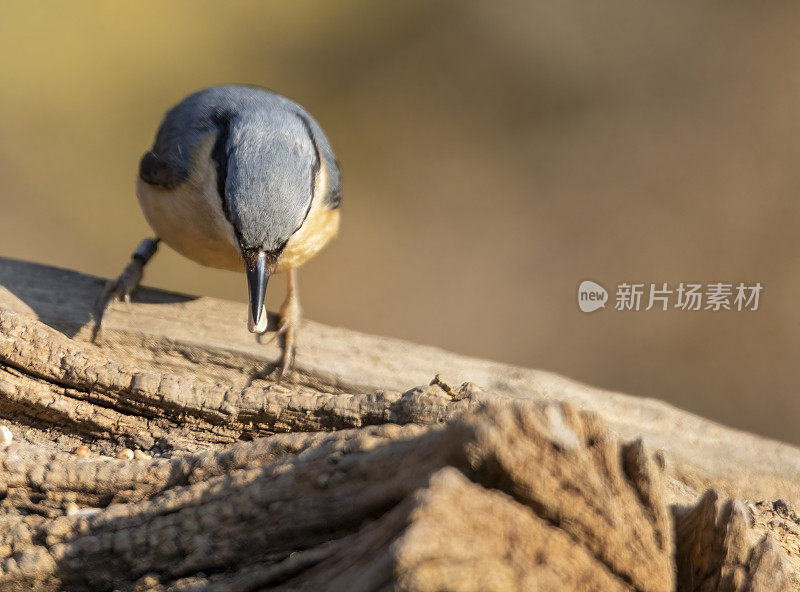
(290, 322)
(125, 284)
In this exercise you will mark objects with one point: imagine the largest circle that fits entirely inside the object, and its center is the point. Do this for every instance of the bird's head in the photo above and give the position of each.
(271, 165)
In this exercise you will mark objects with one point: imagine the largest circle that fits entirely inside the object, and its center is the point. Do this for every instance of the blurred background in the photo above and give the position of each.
(495, 154)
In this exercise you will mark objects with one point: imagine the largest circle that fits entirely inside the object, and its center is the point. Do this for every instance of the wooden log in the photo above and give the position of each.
(381, 465)
(172, 336)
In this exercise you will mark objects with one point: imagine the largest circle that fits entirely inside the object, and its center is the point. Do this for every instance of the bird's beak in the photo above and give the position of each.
(257, 278)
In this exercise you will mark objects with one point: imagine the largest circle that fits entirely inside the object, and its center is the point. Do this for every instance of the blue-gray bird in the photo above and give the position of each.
(242, 179)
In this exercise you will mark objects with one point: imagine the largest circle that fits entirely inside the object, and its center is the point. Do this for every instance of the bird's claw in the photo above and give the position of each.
(282, 326)
(120, 288)
(289, 350)
(288, 327)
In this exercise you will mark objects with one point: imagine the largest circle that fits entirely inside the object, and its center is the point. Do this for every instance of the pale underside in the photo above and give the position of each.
(189, 218)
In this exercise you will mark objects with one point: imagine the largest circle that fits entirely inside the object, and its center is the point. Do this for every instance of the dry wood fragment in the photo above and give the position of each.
(719, 550)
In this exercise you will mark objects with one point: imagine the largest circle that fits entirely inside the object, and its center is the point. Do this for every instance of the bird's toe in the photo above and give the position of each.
(121, 289)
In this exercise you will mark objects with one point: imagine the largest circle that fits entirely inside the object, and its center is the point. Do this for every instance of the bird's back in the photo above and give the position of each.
(243, 162)
(202, 113)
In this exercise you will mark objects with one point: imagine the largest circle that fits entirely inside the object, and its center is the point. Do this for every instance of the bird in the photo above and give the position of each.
(243, 179)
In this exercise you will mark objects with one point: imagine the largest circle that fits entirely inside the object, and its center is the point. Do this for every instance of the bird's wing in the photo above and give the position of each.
(155, 170)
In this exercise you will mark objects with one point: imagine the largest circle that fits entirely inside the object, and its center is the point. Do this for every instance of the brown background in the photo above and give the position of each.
(495, 154)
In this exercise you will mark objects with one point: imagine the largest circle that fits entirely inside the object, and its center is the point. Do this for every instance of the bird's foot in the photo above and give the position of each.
(126, 284)
(120, 289)
(288, 328)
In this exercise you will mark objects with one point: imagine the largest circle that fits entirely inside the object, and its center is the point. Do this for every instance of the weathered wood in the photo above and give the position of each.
(204, 338)
(514, 496)
(353, 476)
(563, 476)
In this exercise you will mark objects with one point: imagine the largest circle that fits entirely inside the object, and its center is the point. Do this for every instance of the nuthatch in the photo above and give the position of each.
(241, 179)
